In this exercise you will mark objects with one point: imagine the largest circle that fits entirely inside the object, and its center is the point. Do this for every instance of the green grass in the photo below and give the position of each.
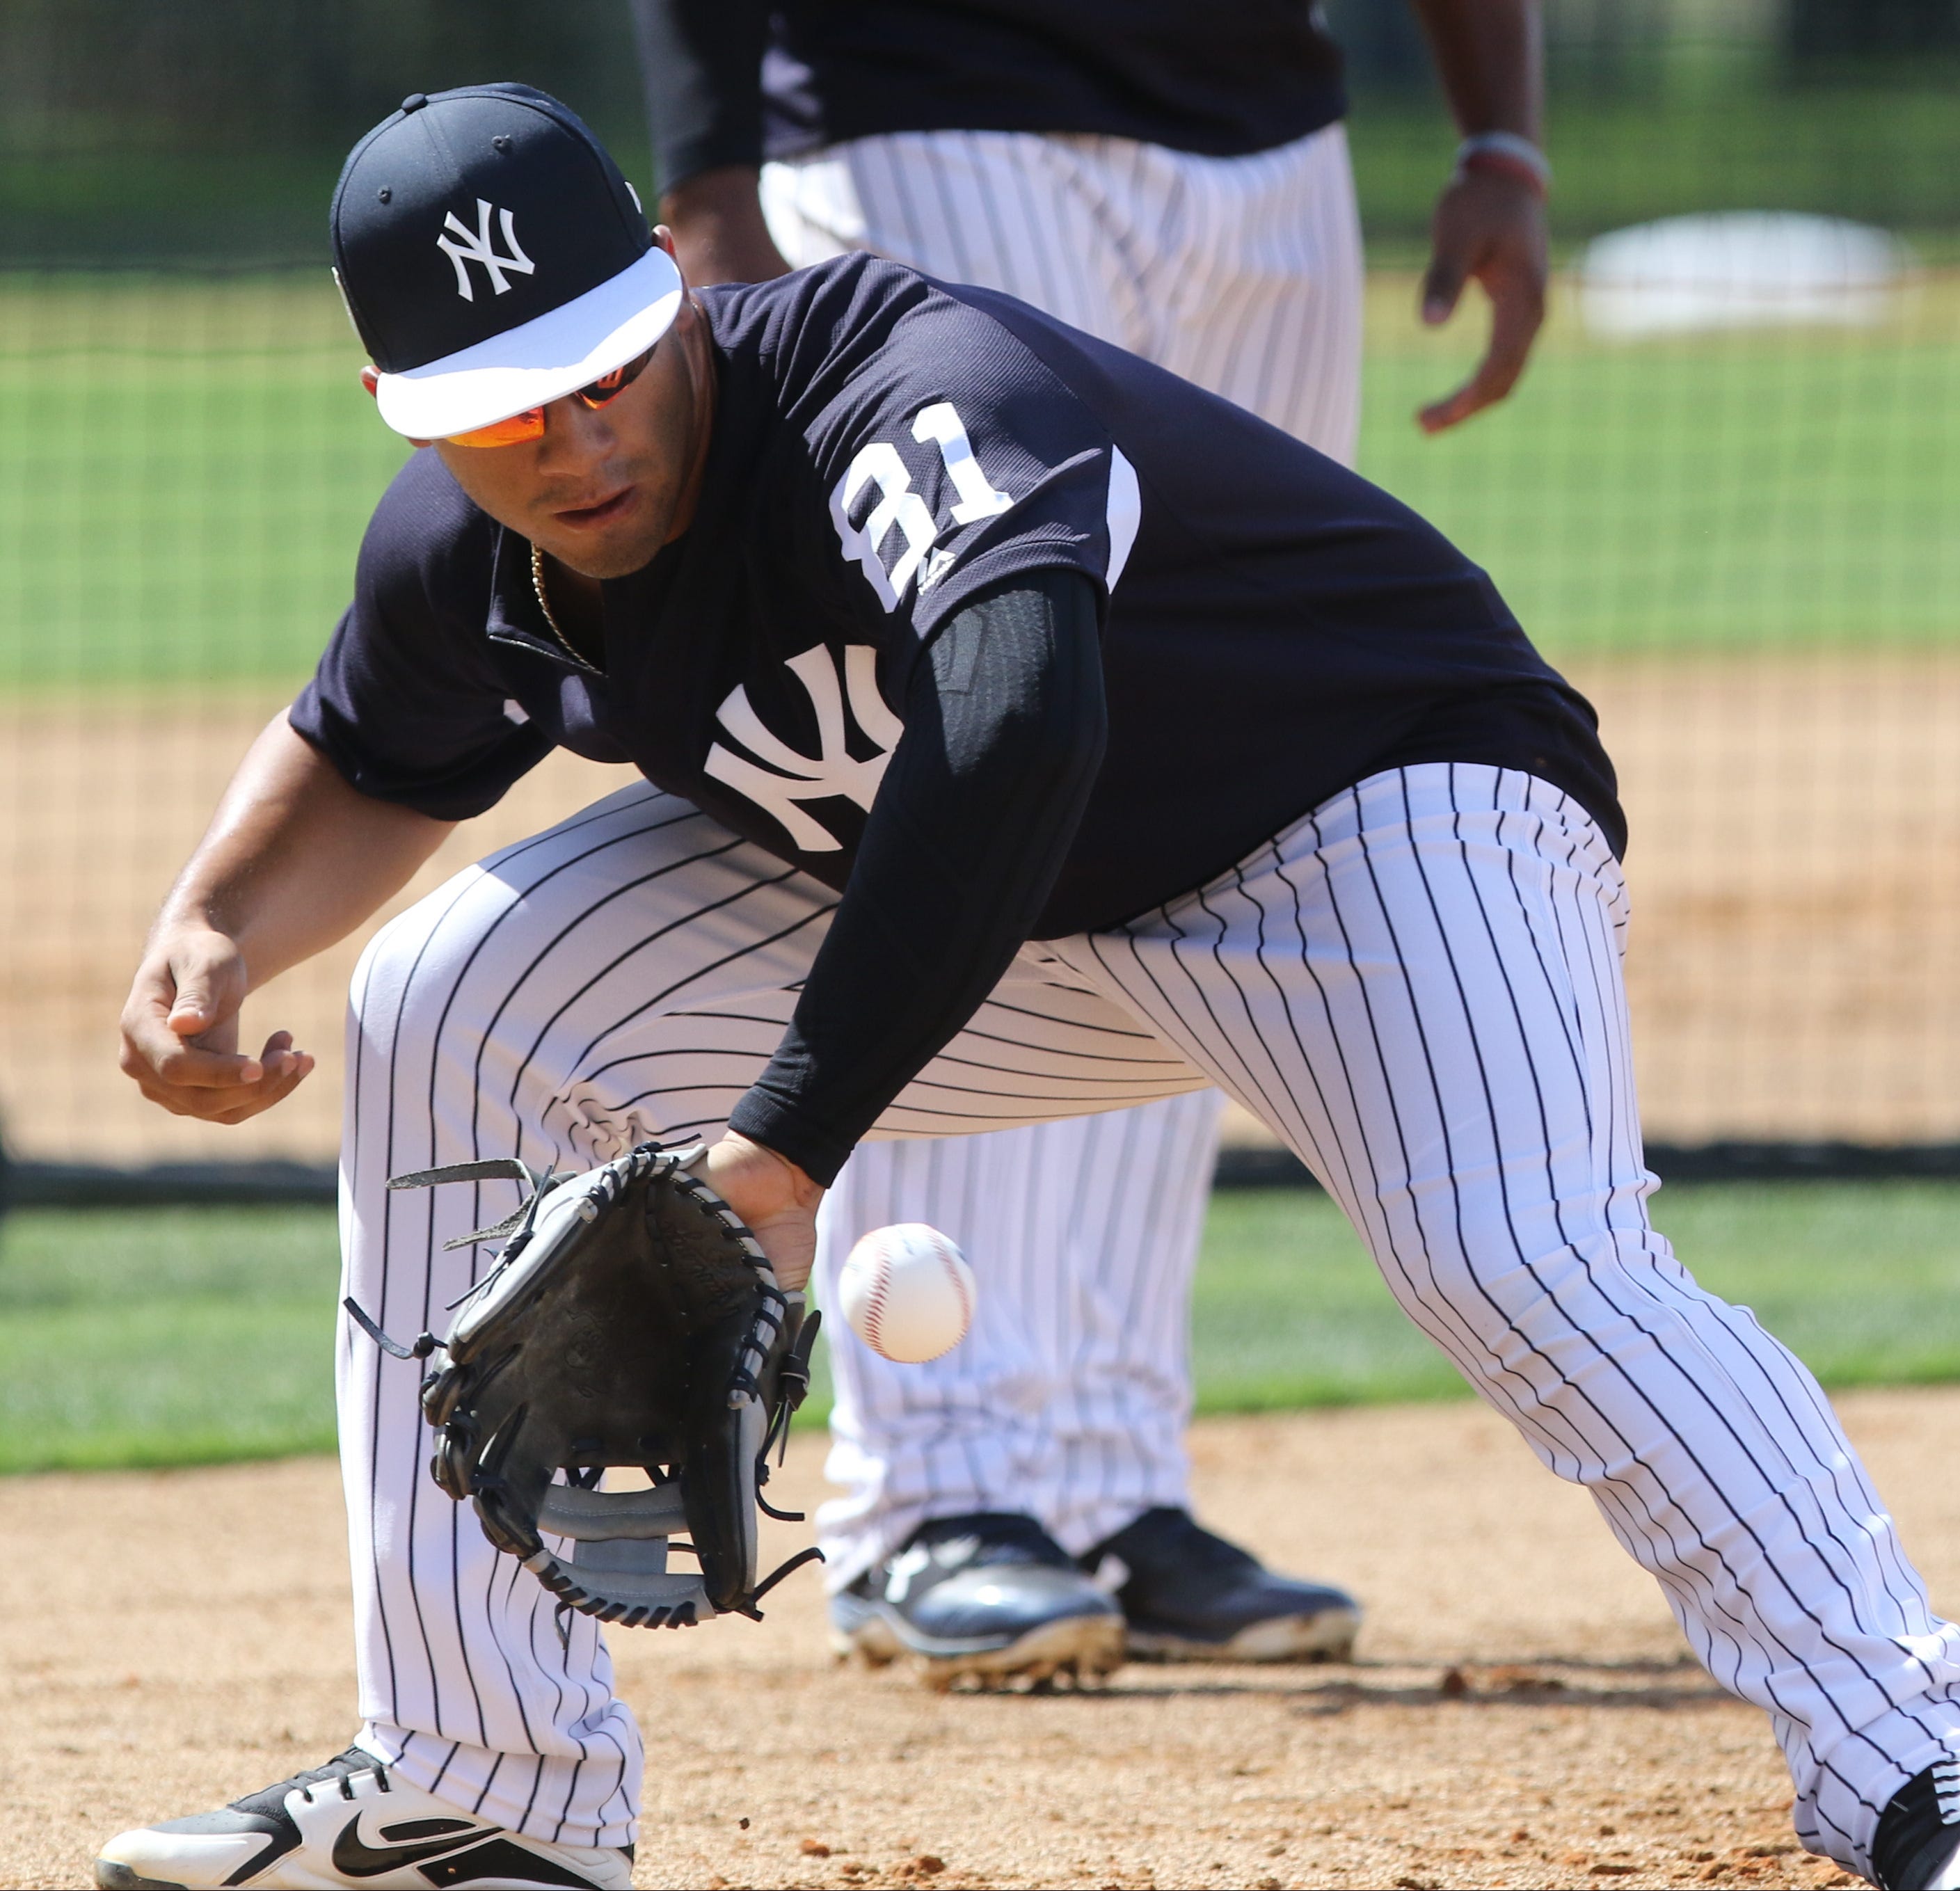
(1861, 1280)
(186, 465)
(1752, 492)
(182, 1336)
(185, 470)
(165, 1336)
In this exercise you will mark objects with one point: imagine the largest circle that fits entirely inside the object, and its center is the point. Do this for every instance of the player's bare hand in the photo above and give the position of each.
(719, 233)
(776, 1201)
(180, 1033)
(1491, 231)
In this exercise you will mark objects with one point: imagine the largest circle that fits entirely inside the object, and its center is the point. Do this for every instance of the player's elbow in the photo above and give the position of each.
(1064, 758)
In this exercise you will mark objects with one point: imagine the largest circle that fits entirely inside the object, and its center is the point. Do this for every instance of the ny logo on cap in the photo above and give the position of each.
(476, 248)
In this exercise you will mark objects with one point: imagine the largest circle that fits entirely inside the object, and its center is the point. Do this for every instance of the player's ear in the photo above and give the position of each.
(664, 239)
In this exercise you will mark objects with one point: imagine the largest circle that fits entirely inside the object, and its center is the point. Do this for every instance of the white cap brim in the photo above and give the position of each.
(545, 359)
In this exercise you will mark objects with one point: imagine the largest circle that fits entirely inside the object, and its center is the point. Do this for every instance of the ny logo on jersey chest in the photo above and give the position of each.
(791, 778)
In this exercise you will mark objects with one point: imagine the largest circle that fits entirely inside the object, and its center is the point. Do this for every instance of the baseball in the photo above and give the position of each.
(907, 1292)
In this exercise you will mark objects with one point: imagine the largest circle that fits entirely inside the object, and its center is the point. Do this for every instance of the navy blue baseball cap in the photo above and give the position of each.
(492, 258)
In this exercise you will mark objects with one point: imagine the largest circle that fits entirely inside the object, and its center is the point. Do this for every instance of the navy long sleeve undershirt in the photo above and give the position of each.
(1005, 727)
(734, 81)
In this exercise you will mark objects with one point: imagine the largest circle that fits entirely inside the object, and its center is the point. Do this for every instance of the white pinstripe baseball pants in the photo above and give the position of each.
(1070, 1397)
(1417, 987)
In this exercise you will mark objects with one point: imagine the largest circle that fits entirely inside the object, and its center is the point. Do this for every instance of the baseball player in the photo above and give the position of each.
(1182, 191)
(1026, 733)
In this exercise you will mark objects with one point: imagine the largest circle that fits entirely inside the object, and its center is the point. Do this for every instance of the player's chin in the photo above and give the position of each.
(611, 541)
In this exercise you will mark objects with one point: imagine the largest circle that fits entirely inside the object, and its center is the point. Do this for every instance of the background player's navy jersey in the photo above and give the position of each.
(885, 448)
(1163, 71)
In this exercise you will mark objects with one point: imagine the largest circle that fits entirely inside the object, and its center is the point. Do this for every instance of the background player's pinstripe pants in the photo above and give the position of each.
(1417, 987)
(1070, 1397)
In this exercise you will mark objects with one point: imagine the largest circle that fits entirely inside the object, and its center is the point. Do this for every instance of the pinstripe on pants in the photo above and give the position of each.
(1417, 987)
(1069, 1398)
(625, 975)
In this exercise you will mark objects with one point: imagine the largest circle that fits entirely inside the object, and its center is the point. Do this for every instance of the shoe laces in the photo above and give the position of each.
(985, 1537)
(339, 1772)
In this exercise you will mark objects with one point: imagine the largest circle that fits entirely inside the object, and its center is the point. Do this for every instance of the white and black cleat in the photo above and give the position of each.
(1189, 1596)
(990, 1600)
(1917, 1845)
(348, 1822)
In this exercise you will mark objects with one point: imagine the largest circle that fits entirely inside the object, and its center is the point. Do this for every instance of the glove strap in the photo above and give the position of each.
(813, 1555)
(491, 1168)
(420, 1349)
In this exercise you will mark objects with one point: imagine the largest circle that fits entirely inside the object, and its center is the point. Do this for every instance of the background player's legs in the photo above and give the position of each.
(1419, 988)
(1245, 275)
(625, 976)
(1045, 1211)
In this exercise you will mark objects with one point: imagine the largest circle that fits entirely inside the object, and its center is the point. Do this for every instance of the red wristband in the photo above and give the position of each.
(1492, 164)
(1505, 155)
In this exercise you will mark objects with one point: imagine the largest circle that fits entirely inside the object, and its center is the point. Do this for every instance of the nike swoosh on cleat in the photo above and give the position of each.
(354, 1858)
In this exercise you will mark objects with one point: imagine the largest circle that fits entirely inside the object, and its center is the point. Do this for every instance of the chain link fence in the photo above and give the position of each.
(1725, 499)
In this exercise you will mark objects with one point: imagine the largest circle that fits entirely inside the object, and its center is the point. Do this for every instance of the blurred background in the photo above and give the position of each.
(1724, 499)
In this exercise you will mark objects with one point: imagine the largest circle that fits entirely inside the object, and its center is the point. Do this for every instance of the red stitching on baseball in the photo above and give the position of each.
(881, 1279)
(950, 1258)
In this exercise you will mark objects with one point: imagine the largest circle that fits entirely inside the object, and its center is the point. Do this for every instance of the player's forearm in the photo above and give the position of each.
(1490, 55)
(294, 859)
(720, 235)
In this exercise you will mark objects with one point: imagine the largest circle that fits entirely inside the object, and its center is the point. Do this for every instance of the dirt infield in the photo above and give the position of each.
(1523, 1714)
(1795, 866)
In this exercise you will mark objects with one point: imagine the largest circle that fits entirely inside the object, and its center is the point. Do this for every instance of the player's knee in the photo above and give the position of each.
(415, 959)
(1505, 1304)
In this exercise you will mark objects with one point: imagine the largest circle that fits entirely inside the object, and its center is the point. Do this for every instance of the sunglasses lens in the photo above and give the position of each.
(528, 425)
(608, 387)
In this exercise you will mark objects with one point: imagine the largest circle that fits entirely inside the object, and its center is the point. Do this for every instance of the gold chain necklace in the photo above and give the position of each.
(544, 605)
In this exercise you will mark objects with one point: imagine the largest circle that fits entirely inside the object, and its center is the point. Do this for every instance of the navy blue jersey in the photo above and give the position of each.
(889, 455)
(730, 81)
(886, 447)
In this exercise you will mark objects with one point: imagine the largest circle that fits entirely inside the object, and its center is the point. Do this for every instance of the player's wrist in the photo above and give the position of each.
(804, 1190)
(1506, 155)
(192, 934)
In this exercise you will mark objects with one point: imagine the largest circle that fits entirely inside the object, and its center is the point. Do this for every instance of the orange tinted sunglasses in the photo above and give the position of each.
(530, 424)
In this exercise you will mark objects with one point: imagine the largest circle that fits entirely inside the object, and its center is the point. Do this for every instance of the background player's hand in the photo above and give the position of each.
(1491, 231)
(776, 1201)
(718, 230)
(181, 1032)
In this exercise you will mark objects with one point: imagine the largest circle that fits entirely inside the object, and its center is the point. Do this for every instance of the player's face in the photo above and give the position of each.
(603, 490)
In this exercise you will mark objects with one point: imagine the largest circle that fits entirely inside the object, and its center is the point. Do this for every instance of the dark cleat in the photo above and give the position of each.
(1917, 1846)
(990, 1598)
(1189, 1596)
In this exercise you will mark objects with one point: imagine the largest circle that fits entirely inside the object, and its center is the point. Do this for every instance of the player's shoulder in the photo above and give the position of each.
(856, 318)
(841, 295)
(427, 544)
